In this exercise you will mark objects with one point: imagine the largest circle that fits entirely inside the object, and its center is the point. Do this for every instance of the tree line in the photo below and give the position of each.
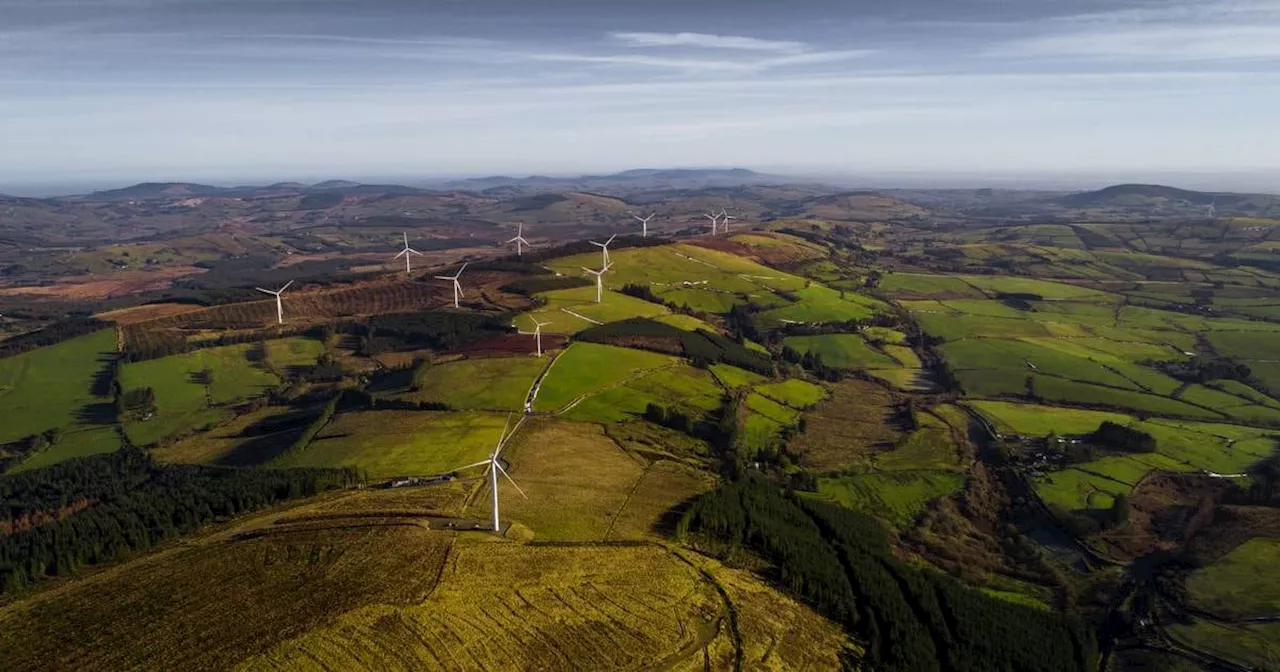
(910, 618)
(701, 347)
(135, 503)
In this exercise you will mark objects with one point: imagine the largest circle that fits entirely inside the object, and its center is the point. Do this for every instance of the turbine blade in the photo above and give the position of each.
(415, 252)
(402, 253)
(597, 244)
(443, 277)
(286, 286)
(514, 239)
(510, 480)
(501, 437)
(477, 464)
(606, 243)
(460, 270)
(264, 291)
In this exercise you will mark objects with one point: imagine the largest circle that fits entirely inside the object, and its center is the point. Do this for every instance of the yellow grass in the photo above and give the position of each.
(506, 606)
(576, 478)
(211, 605)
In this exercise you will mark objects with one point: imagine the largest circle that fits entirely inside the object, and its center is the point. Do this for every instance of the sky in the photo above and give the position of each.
(253, 90)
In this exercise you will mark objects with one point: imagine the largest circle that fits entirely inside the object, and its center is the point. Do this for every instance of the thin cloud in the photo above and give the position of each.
(1155, 43)
(708, 41)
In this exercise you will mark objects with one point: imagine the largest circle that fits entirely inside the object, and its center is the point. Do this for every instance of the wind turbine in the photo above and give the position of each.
(519, 239)
(493, 467)
(405, 253)
(1212, 210)
(599, 280)
(457, 288)
(604, 247)
(713, 218)
(537, 332)
(279, 304)
(726, 221)
(644, 233)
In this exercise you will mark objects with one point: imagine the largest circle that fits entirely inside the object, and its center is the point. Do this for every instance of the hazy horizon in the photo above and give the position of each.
(121, 91)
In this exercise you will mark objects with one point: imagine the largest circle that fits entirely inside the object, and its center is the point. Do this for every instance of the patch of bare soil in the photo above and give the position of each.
(98, 287)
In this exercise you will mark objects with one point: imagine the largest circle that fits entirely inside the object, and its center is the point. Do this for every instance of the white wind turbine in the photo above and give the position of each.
(644, 221)
(604, 247)
(537, 332)
(519, 239)
(1212, 209)
(599, 279)
(405, 253)
(279, 303)
(713, 218)
(457, 288)
(493, 467)
(726, 220)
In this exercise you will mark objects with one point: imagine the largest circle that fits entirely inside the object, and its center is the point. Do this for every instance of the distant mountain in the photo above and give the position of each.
(335, 184)
(155, 190)
(1155, 197)
(638, 179)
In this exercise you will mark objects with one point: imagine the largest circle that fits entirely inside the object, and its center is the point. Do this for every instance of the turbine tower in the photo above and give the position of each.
(493, 466)
(604, 247)
(519, 240)
(405, 253)
(1212, 210)
(644, 221)
(599, 280)
(537, 332)
(279, 303)
(713, 218)
(457, 288)
(726, 221)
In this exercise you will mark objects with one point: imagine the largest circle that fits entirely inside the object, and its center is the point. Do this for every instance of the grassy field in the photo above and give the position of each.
(588, 368)
(76, 441)
(397, 443)
(184, 401)
(54, 386)
(613, 307)
(1036, 420)
(576, 478)
(793, 392)
(285, 354)
(210, 605)
(1238, 585)
(823, 304)
(898, 497)
(731, 377)
(684, 388)
(1257, 645)
(845, 351)
(567, 607)
(663, 486)
(496, 384)
(848, 428)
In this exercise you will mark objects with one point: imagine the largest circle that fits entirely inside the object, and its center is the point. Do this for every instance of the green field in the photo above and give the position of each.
(183, 401)
(496, 384)
(51, 387)
(589, 368)
(284, 354)
(398, 443)
(898, 497)
(1239, 584)
(823, 304)
(683, 388)
(911, 285)
(557, 313)
(794, 392)
(78, 441)
(844, 351)
(731, 377)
